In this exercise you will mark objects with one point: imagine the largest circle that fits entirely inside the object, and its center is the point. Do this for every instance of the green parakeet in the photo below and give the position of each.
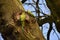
(22, 19)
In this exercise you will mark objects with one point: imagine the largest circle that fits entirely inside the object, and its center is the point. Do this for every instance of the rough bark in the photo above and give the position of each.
(11, 30)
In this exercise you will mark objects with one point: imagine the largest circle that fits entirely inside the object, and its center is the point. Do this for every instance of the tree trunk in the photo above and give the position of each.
(10, 29)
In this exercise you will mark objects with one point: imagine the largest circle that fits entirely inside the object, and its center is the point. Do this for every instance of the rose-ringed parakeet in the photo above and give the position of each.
(22, 19)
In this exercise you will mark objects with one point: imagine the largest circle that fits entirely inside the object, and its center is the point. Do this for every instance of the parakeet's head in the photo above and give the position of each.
(23, 16)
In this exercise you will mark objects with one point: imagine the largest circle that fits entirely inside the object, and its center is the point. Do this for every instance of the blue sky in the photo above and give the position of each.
(1, 37)
(45, 10)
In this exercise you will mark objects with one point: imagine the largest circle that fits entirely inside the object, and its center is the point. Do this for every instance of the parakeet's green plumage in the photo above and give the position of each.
(23, 16)
(22, 19)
